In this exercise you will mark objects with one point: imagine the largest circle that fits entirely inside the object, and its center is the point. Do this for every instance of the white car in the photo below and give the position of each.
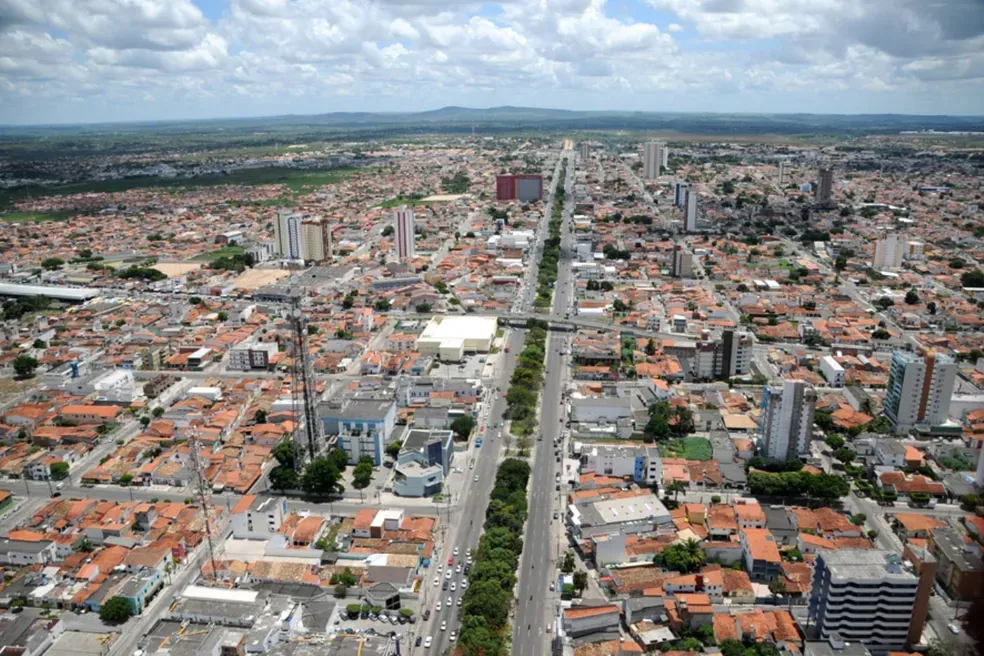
(452, 636)
(471, 465)
(453, 586)
(444, 626)
(476, 478)
(464, 584)
(468, 554)
(438, 605)
(954, 629)
(450, 602)
(459, 601)
(428, 641)
(440, 568)
(456, 551)
(437, 581)
(457, 570)
(447, 574)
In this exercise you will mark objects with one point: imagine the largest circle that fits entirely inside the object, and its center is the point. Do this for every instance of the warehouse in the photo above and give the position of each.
(450, 338)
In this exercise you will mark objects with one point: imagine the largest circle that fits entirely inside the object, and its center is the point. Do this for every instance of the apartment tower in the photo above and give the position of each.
(288, 233)
(683, 263)
(652, 159)
(787, 419)
(316, 244)
(888, 252)
(403, 219)
(680, 193)
(825, 188)
(690, 211)
(919, 390)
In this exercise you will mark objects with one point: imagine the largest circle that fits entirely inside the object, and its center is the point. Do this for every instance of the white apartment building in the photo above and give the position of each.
(914, 250)
(403, 220)
(690, 211)
(863, 595)
(642, 464)
(288, 235)
(683, 263)
(316, 244)
(652, 159)
(251, 354)
(888, 253)
(787, 419)
(919, 390)
(257, 518)
(784, 174)
(832, 371)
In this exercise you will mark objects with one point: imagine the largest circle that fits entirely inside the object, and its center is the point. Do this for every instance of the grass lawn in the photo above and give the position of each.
(225, 251)
(690, 448)
(35, 217)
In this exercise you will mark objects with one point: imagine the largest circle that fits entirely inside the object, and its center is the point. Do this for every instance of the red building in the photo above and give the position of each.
(519, 187)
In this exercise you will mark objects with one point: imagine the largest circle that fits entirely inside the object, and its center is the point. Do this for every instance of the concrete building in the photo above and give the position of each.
(888, 252)
(863, 595)
(914, 250)
(585, 151)
(423, 463)
(734, 355)
(787, 419)
(961, 569)
(257, 518)
(683, 263)
(825, 188)
(784, 174)
(450, 338)
(316, 243)
(639, 514)
(680, 189)
(760, 553)
(250, 355)
(690, 211)
(640, 463)
(525, 188)
(832, 371)
(403, 224)
(288, 235)
(919, 390)
(364, 426)
(652, 159)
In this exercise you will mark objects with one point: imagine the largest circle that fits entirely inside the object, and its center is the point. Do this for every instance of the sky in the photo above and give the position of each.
(83, 61)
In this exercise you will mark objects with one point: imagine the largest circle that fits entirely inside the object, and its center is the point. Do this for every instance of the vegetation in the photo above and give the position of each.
(24, 366)
(463, 426)
(59, 470)
(691, 448)
(525, 383)
(822, 487)
(665, 420)
(683, 557)
(456, 184)
(547, 272)
(115, 610)
(362, 475)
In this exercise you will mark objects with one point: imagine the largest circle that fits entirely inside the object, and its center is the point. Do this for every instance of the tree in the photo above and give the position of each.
(845, 454)
(59, 470)
(52, 263)
(568, 565)
(84, 546)
(260, 417)
(716, 499)
(362, 476)
(973, 278)
(911, 297)
(24, 366)
(463, 426)
(834, 441)
(39, 344)
(283, 478)
(423, 308)
(158, 411)
(777, 587)
(676, 487)
(115, 610)
(382, 305)
(650, 347)
(969, 502)
(683, 557)
(580, 581)
(393, 450)
(881, 333)
(145, 421)
(931, 307)
(320, 478)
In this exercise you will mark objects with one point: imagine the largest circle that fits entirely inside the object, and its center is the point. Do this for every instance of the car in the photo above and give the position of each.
(55, 494)
(447, 574)
(450, 561)
(457, 569)
(416, 643)
(452, 636)
(373, 617)
(468, 554)
(427, 614)
(450, 601)
(556, 515)
(412, 619)
(476, 478)
(427, 642)
(954, 629)
(459, 601)
(400, 618)
(478, 443)
(471, 465)
(440, 568)
(455, 552)
(437, 580)
(444, 626)
(552, 587)
(453, 586)
(439, 606)
(464, 584)
(558, 487)
(444, 586)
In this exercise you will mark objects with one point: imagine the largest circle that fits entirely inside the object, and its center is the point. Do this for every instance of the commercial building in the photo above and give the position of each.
(449, 338)
(642, 513)
(680, 193)
(888, 253)
(652, 159)
(423, 463)
(787, 419)
(863, 595)
(640, 463)
(257, 518)
(251, 355)
(683, 263)
(403, 224)
(364, 426)
(288, 234)
(690, 211)
(316, 243)
(832, 371)
(919, 390)
(825, 188)
(525, 188)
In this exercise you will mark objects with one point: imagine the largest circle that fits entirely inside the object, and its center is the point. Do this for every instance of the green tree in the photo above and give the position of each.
(650, 347)
(260, 417)
(423, 308)
(24, 366)
(362, 476)
(393, 450)
(157, 412)
(382, 305)
(973, 278)
(59, 470)
(835, 441)
(684, 557)
(911, 297)
(52, 263)
(115, 610)
(580, 581)
(320, 478)
(463, 426)
(84, 546)
(283, 478)
(568, 565)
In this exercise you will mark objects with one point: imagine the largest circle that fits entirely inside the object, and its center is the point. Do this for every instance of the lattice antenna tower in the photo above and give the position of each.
(204, 493)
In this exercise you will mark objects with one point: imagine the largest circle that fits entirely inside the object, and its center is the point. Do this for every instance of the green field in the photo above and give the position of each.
(690, 448)
(34, 217)
(225, 251)
(295, 180)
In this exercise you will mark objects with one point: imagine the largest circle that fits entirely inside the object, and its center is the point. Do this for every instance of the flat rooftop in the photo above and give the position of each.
(49, 291)
(862, 564)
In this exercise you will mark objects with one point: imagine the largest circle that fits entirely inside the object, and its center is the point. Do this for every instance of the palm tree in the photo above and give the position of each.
(676, 487)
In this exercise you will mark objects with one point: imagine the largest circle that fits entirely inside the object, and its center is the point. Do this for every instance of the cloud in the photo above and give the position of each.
(122, 58)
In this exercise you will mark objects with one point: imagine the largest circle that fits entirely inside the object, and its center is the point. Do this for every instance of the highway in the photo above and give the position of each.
(464, 527)
(537, 606)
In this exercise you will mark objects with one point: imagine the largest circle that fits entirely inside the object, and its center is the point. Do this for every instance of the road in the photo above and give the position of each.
(537, 605)
(468, 516)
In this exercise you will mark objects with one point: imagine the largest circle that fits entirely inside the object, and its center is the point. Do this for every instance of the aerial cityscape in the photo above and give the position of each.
(347, 376)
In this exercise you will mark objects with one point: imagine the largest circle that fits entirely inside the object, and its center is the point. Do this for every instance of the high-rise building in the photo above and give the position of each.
(784, 174)
(680, 193)
(690, 211)
(288, 234)
(683, 263)
(652, 159)
(585, 150)
(403, 219)
(316, 245)
(864, 595)
(825, 188)
(664, 156)
(525, 188)
(888, 252)
(787, 419)
(919, 390)
(734, 354)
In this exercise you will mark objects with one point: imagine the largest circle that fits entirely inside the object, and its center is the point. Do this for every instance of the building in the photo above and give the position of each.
(919, 390)
(525, 188)
(787, 419)
(888, 253)
(403, 220)
(914, 250)
(257, 518)
(690, 211)
(683, 263)
(832, 371)
(652, 159)
(960, 568)
(680, 189)
(288, 235)
(863, 595)
(250, 355)
(640, 463)
(587, 620)
(316, 244)
(450, 338)
(423, 463)
(734, 355)
(364, 426)
(784, 174)
(585, 150)
(825, 188)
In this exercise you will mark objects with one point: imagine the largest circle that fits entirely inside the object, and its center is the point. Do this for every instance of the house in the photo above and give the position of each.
(760, 553)
(27, 552)
(91, 414)
(584, 620)
(257, 518)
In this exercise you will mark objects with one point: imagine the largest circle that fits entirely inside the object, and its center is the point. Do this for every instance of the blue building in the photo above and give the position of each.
(364, 427)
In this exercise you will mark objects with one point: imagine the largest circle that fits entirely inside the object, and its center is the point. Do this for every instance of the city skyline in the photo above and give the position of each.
(66, 62)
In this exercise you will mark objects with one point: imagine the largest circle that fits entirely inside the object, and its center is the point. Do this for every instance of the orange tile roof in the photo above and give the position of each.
(762, 544)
